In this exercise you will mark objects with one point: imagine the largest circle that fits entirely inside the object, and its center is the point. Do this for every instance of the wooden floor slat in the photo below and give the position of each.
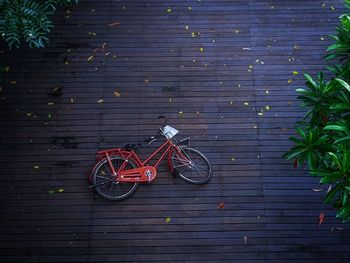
(210, 66)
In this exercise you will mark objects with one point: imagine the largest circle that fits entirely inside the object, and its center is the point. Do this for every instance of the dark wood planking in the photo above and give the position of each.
(265, 198)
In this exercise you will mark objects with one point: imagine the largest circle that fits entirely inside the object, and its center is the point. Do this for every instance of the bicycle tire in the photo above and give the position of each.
(104, 183)
(197, 171)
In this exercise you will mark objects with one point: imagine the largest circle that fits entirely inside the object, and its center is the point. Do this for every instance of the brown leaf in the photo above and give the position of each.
(220, 206)
(117, 94)
(90, 58)
(321, 219)
(114, 24)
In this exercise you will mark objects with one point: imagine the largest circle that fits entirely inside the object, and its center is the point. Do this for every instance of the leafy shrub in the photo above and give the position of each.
(324, 134)
(28, 20)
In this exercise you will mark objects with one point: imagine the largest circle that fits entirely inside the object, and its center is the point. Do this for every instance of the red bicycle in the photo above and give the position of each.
(119, 171)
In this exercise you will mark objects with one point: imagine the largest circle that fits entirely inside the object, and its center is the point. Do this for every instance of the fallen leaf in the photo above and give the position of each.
(220, 206)
(295, 73)
(49, 115)
(181, 113)
(107, 53)
(295, 163)
(168, 220)
(247, 48)
(186, 27)
(103, 172)
(189, 8)
(246, 103)
(233, 159)
(114, 24)
(321, 219)
(90, 58)
(201, 49)
(104, 45)
(295, 47)
(7, 68)
(170, 100)
(72, 100)
(267, 107)
(317, 189)
(168, 10)
(50, 192)
(117, 94)
(290, 81)
(255, 126)
(260, 114)
(50, 103)
(13, 82)
(66, 62)
(267, 92)
(36, 167)
(100, 101)
(323, 5)
(322, 38)
(237, 31)
(61, 190)
(245, 239)
(332, 8)
(146, 81)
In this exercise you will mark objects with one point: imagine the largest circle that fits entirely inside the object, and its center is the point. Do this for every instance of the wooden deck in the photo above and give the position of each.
(226, 81)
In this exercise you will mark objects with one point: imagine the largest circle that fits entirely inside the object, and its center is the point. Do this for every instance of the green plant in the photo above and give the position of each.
(27, 20)
(324, 135)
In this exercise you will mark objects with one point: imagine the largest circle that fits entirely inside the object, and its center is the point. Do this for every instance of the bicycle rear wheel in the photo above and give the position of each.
(192, 166)
(104, 180)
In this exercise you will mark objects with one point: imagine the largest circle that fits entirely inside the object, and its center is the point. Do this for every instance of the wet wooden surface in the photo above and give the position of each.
(222, 72)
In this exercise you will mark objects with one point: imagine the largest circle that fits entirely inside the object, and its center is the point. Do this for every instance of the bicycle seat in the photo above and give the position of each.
(130, 147)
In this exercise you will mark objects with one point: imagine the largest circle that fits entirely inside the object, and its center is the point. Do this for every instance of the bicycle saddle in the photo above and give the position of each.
(130, 147)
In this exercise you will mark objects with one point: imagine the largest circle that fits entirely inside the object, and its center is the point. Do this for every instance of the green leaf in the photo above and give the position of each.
(343, 83)
(347, 138)
(335, 128)
(331, 194)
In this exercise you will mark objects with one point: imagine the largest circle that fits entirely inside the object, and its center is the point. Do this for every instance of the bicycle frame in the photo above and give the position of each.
(144, 172)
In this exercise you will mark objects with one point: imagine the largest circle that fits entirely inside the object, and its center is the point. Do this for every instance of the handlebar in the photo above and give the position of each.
(152, 139)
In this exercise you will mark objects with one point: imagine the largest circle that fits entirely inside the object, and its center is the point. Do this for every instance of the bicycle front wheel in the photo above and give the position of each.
(104, 180)
(191, 165)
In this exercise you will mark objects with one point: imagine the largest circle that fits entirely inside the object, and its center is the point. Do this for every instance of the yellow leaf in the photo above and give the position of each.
(168, 10)
(332, 8)
(117, 94)
(29, 114)
(90, 58)
(290, 81)
(246, 103)
(201, 49)
(250, 66)
(100, 101)
(36, 167)
(168, 220)
(61, 190)
(295, 73)
(181, 113)
(267, 107)
(260, 113)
